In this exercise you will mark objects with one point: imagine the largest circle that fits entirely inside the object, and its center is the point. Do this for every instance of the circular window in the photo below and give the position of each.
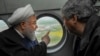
(50, 22)
(3, 26)
(46, 24)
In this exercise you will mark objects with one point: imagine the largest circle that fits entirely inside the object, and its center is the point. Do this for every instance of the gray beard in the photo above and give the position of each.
(30, 35)
(73, 31)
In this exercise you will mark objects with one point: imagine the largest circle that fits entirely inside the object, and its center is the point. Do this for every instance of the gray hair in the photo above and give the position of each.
(81, 8)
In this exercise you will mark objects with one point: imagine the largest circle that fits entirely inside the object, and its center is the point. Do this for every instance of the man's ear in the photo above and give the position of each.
(22, 24)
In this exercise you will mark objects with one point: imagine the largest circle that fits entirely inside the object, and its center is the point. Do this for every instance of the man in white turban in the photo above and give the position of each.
(19, 39)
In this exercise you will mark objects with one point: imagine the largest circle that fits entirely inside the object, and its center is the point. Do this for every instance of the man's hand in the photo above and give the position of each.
(46, 38)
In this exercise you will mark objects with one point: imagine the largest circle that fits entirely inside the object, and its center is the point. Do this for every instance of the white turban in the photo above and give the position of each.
(21, 14)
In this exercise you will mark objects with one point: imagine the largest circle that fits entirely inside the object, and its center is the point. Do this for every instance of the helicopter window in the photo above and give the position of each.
(52, 23)
(46, 24)
(3, 26)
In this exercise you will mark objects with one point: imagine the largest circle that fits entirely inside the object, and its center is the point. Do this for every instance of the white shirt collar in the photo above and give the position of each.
(19, 33)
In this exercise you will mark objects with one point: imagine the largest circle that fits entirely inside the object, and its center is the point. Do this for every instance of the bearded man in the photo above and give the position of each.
(19, 39)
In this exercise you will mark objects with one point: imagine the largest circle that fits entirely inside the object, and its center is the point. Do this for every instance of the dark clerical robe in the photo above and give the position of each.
(89, 45)
(11, 44)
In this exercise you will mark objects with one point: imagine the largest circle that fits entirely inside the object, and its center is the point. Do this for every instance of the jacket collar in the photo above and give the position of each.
(90, 27)
(12, 35)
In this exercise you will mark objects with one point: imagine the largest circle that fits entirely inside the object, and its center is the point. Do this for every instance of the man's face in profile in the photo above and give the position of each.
(30, 27)
(71, 25)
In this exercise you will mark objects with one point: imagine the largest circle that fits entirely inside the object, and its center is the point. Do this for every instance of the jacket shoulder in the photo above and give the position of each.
(97, 31)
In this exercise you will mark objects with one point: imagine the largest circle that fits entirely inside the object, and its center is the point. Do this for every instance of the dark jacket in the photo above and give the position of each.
(89, 45)
(11, 44)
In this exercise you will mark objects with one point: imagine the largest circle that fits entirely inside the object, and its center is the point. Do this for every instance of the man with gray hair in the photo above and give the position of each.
(19, 39)
(80, 18)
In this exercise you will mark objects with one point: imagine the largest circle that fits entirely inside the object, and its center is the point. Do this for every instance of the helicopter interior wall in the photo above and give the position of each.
(2, 7)
(8, 6)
